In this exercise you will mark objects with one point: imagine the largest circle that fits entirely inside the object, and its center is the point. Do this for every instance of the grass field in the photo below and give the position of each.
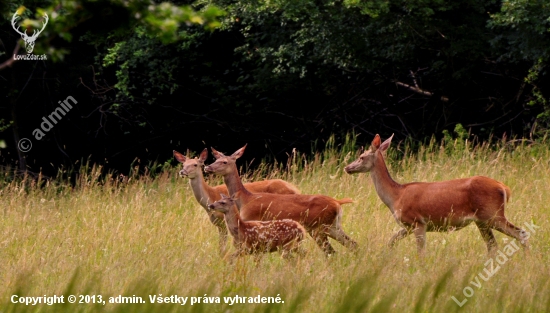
(150, 237)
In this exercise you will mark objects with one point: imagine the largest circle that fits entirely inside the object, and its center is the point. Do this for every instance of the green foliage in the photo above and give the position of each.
(140, 52)
(538, 98)
(147, 57)
(244, 68)
(532, 18)
(525, 27)
(459, 142)
(165, 19)
(5, 125)
(359, 35)
(460, 132)
(371, 8)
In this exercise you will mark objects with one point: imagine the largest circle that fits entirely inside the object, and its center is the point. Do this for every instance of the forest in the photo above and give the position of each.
(148, 77)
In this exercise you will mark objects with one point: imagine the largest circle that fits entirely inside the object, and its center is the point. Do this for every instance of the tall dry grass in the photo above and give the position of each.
(149, 237)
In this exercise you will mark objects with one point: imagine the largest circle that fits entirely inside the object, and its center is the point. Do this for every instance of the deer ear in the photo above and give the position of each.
(180, 157)
(386, 144)
(216, 153)
(224, 196)
(239, 152)
(375, 142)
(204, 155)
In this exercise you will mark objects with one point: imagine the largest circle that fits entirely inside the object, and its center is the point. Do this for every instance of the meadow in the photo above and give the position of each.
(148, 236)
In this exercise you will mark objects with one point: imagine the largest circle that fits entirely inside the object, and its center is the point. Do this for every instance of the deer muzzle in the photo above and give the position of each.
(350, 169)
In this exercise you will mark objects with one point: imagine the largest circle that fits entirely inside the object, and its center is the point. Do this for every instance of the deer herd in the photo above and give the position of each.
(272, 215)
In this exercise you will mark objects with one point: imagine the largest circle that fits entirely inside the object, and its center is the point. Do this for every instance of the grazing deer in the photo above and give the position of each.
(438, 206)
(192, 168)
(259, 236)
(320, 215)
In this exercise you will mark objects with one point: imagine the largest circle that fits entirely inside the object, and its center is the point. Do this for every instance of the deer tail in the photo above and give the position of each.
(345, 200)
(508, 192)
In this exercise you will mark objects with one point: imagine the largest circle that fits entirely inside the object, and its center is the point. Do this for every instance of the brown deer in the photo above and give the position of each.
(438, 206)
(259, 236)
(192, 168)
(320, 215)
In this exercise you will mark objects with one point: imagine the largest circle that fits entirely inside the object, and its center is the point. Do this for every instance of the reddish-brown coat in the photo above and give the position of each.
(205, 194)
(319, 214)
(438, 206)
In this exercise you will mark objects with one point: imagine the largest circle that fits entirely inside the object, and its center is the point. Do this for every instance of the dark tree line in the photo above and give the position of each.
(149, 77)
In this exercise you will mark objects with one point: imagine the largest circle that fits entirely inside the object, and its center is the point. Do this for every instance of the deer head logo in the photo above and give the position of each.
(29, 40)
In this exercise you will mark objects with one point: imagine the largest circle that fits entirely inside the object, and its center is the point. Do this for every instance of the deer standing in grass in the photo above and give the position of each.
(439, 206)
(252, 237)
(192, 168)
(320, 215)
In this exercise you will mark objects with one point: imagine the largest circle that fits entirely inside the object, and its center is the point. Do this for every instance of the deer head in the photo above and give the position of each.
(29, 40)
(223, 164)
(191, 167)
(365, 162)
(224, 204)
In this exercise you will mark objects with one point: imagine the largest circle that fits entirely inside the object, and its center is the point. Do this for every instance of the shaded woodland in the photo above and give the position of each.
(150, 77)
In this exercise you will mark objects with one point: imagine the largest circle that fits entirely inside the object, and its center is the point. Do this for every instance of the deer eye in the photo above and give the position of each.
(195, 165)
(224, 162)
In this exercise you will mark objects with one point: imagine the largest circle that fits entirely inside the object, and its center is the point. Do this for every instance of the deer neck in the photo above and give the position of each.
(201, 190)
(232, 221)
(235, 185)
(388, 190)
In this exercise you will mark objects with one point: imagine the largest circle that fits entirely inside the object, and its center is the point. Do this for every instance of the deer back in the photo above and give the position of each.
(310, 210)
(451, 201)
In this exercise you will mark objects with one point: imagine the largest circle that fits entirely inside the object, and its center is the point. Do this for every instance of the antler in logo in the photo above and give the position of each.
(29, 41)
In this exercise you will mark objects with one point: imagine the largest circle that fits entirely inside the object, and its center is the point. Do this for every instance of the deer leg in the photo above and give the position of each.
(240, 250)
(257, 258)
(502, 225)
(321, 239)
(300, 251)
(287, 252)
(325, 245)
(291, 248)
(488, 237)
(222, 240)
(420, 234)
(234, 256)
(398, 236)
(338, 234)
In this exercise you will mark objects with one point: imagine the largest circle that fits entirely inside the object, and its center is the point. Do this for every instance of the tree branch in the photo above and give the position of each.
(420, 91)
(11, 60)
